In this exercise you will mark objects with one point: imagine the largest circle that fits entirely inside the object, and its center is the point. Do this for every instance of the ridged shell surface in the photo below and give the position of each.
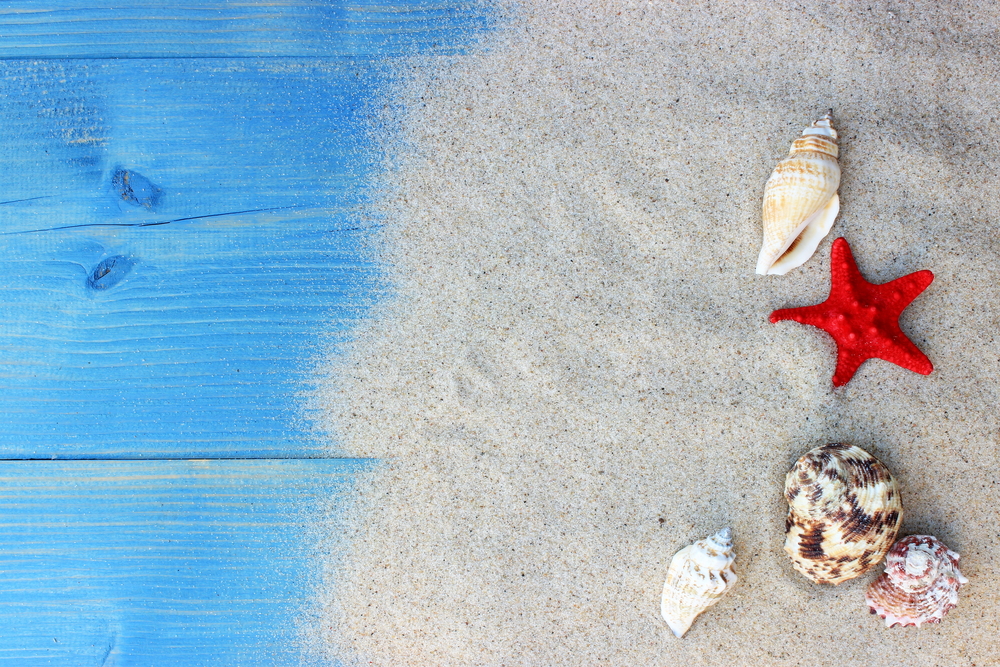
(800, 200)
(844, 513)
(698, 576)
(920, 583)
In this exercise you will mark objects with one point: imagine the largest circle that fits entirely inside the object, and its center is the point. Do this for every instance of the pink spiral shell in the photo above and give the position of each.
(920, 583)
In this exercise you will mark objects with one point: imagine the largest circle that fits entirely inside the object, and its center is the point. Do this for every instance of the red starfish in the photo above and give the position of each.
(863, 318)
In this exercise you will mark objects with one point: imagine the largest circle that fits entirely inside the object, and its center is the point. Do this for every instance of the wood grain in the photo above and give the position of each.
(177, 563)
(184, 239)
(254, 28)
(244, 269)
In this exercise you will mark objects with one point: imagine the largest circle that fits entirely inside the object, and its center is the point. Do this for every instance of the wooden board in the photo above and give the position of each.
(211, 28)
(183, 231)
(181, 215)
(178, 563)
(219, 204)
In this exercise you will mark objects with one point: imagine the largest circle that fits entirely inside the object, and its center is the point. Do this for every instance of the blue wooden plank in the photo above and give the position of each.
(177, 563)
(182, 223)
(184, 235)
(213, 135)
(202, 340)
(252, 28)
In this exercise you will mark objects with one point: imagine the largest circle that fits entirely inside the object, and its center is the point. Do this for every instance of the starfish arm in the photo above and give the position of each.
(843, 268)
(899, 293)
(847, 365)
(902, 352)
(803, 315)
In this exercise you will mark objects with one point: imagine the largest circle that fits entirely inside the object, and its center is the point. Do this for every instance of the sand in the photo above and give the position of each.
(575, 375)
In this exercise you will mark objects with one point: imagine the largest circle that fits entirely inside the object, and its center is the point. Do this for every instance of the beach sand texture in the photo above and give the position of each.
(576, 376)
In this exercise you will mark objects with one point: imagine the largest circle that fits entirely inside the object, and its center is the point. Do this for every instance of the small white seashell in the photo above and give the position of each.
(698, 576)
(800, 200)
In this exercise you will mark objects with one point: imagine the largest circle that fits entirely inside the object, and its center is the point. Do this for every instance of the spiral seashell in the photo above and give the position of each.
(844, 512)
(698, 576)
(800, 200)
(920, 583)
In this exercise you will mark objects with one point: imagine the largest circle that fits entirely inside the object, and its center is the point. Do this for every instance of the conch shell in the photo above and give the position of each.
(920, 583)
(800, 200)
(844, 512)
(698, 576)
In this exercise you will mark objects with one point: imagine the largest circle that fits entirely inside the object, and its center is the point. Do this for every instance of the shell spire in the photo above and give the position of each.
(844, 512)
(920, 583)
(800, 199)
(698, 576)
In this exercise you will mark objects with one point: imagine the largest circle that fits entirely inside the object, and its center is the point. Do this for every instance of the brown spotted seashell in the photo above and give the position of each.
(920, 583)
(844, 512)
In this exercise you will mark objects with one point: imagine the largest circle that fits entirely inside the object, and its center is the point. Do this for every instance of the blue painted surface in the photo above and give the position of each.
(185, 240)
(182, 226)
(213, 28)
(162, 563)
